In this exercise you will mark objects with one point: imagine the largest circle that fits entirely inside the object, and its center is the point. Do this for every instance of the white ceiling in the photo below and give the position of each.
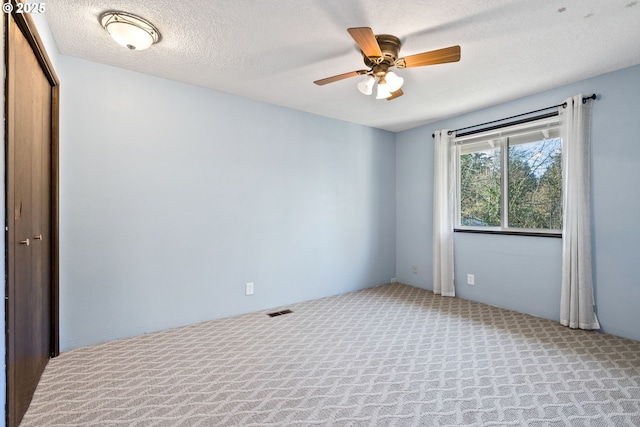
(273, 50)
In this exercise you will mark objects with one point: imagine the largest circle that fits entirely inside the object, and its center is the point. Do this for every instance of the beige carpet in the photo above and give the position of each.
(388, 356)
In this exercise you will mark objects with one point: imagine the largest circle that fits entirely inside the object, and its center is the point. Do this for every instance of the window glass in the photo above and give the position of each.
(511, 179)
(535, 183)
(480, 184)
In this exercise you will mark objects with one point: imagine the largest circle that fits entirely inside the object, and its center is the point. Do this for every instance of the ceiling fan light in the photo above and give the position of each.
(383, 91)
(129, 30)
(394, 82)
(366, 85)
(388, 84)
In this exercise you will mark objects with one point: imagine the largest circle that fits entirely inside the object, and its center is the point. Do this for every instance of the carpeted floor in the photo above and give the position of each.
(393, 355)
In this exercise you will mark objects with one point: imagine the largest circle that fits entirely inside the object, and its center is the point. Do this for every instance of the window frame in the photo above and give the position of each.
(502, 133)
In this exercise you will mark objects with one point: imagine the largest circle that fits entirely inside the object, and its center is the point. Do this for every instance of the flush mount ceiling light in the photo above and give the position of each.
(129, 30)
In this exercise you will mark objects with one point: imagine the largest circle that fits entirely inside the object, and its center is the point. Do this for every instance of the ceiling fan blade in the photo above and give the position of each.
(366, 40)
(395, 94)
(340, 77)
(440, 56)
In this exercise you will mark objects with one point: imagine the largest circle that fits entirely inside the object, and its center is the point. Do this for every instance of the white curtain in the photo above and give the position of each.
(576, 302)
(444, 180)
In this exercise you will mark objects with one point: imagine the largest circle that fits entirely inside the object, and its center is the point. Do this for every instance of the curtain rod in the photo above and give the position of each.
(564, 105)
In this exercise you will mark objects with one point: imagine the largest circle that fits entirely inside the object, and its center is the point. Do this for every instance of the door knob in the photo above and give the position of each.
(38, 237)
(24, 242)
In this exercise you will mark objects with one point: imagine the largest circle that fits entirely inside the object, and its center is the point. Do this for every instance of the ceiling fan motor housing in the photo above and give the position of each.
(390, 48)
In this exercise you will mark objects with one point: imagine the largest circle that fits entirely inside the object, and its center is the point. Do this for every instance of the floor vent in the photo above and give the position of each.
(279, 313)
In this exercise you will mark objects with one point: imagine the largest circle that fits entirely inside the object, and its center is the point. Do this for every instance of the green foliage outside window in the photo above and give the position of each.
(535, 185)
(480, 189)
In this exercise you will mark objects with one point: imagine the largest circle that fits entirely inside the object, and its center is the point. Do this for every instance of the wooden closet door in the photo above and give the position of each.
(29, 162)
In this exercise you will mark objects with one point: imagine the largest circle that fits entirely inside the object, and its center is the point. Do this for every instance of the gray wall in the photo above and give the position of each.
(523, 273)
(174, 196)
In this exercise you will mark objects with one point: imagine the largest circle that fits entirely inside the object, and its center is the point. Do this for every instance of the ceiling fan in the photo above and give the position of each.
(380, 52)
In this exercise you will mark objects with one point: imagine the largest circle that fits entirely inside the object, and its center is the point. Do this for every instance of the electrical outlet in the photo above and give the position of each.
(415, 269)
(471, 280)
(394, 280)
(248, 289)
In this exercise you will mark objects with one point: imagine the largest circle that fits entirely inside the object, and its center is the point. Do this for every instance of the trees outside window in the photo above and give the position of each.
(535, 185)
(480, 188)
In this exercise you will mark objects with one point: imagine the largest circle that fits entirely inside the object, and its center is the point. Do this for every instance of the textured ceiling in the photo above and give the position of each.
(272, 50)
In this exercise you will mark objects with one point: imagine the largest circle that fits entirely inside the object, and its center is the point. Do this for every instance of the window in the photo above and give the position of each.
(510, 179)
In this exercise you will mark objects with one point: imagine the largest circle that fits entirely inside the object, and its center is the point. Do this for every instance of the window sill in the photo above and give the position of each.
(509, 232)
